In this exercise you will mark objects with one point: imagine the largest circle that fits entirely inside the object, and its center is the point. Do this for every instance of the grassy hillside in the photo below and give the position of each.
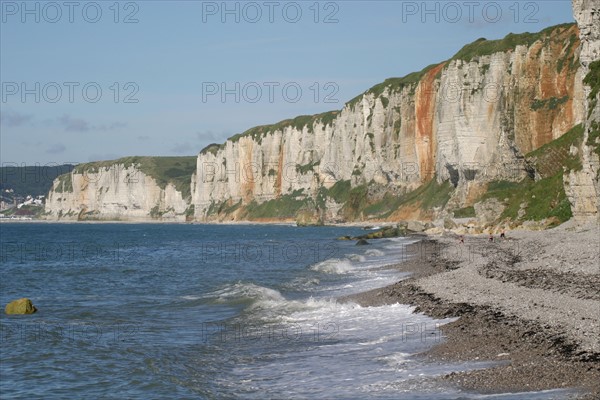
(543, 197)
(34, 180)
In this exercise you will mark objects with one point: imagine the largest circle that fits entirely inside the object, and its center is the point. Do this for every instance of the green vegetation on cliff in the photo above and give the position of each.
(550, 159)
(549, 104)
(544, 197)
(592, 79)
(484, 47)
(532, 200)
(478, 48)
(466, 212)
(356, 202)
(392, 85)
(298, 123)
(426, 197)
(65, 184)
(340, 191)
(286, 206)
(384, 207)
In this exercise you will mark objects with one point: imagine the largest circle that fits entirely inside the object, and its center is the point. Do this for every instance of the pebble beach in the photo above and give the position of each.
(530, 302)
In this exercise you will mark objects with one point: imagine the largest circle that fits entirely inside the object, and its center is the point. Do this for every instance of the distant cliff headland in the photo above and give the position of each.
(505, 133)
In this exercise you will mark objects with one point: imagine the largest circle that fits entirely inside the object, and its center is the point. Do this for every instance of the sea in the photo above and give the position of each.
(193, 311)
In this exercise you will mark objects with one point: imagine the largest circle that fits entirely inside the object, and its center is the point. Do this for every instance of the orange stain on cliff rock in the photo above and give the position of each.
(413, 211)
(424, 118)
(541, 67)
(278, 182)
(247, 172)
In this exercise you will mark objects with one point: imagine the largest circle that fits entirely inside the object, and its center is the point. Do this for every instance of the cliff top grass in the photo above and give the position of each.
(393, 84)
(258, 132)
(478, 48)
(484, 47)
(164, 170)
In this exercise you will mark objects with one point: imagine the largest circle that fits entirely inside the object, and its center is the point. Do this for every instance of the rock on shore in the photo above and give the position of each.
(20, 306)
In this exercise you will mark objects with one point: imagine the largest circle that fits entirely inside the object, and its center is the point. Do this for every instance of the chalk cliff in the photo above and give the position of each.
(134, 188)
(583, 186)
(503, 131)
(453, 127)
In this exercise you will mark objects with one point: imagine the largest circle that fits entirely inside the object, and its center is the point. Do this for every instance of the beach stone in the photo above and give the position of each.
(434, 231)
(362, 242)
(20, 306)
(390, 232)
(416, 226)
(308, 218)
(488, 211)
(449, 224)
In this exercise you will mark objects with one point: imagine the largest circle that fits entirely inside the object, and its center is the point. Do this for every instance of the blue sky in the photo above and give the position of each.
(102, 80)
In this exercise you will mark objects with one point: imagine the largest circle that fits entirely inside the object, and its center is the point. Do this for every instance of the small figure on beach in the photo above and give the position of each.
(502, 235)
(491, 239)
(461, 238)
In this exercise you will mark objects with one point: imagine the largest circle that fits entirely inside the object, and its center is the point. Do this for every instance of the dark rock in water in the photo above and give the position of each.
(21, 306)
(386, 232)
(362, 242)
(390, 232)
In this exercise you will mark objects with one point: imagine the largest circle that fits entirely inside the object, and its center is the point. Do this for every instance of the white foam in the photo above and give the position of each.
(190, 297)
(244, 291)
(374, 252)
(397, 359)
(333, 266)
(367, 346)
(357, 258)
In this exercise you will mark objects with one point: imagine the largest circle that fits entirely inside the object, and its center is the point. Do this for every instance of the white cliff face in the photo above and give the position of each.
(583, 187)
(117, 192)
(468, 121)
(587, 15)
(464, 122)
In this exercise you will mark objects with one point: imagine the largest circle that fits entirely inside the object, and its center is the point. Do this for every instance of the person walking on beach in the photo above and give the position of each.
(491, 239)
(461, 239)
(502, 235)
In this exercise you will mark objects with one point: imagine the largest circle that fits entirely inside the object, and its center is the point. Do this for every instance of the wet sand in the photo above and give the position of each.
(531, 302)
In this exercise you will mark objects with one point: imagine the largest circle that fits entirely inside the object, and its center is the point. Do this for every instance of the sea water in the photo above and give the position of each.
(193, 311)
